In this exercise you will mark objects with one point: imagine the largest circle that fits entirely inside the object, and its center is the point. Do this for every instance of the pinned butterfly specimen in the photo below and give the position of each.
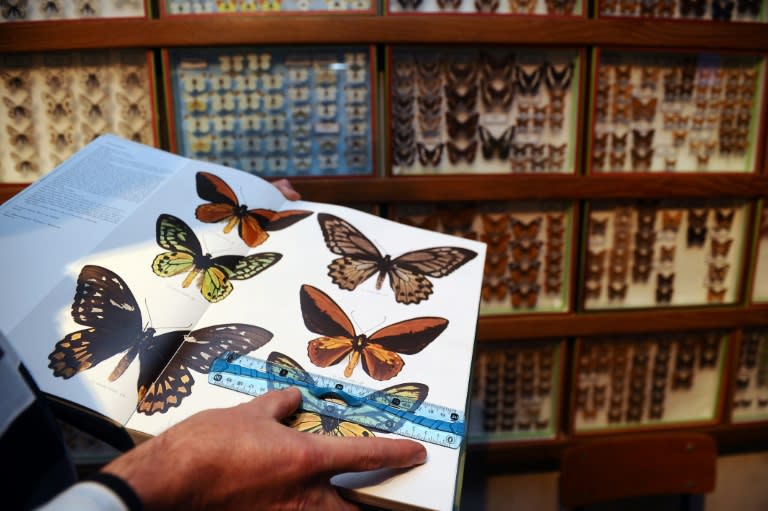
(19, 110)
(493, 290)
(643, 111)
(558, 77)
(528, 80)
(720, 249)
(717, 274)
(409, 4)
(463, 100)
(407, 273)
(457, 154)
(253, 224)
(724, 219)
(58, 108)
(464, 128)
(186, 255)
(310, 418)
(430, 156)
(14, 9)
(105, 305)
(379, 352)
(526, 230)
(496, 147)
(524, 295)
(617, 291)
(497, 98)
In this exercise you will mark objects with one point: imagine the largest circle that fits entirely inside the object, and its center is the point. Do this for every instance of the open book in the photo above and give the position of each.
(129, 269)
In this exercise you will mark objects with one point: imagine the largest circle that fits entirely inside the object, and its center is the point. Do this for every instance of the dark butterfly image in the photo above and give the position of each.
(617, 291)
(459, 73)
(429, 156)
(105, 305)
(402, 107)
(493, 290)
(716, 295)
(497, 98)
(428, 69)
(525, 250)
(463, 100)
(379, 353)
(495, 224)
(466, 128)
(404, 137)
(486, 6)
(429, 222)
(643, 111)
(186, 255)
(310, 418)
(617, 160)
(717, 274)
(724, 219)
(409, 4)
(670, 220)
(456, 154)
(720, 248)
(404, 155)
(750, 7)
(666, 254)
(457, 218)
(600, 143)
(641, 158)
(598, 160)
(497, 68)
(528, 80)
(524, 273)
(496, 147)
(555, 226)
(524, 295)
(558, 77)
(429, 104)
(430, 124)
(252, 224)
(526, 230)
(407, 273)
(722, 10)
(645, 237)
(496, 263)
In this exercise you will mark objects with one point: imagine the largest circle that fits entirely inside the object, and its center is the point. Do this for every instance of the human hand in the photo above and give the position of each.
(286, 188)
(244, 458)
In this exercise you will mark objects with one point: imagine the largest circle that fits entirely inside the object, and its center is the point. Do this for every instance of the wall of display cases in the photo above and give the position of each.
(614, 167)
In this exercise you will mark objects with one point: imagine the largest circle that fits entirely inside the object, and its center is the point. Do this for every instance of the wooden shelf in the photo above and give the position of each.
(352, 29)
(503, 328)
(499, 457)
(519, 187)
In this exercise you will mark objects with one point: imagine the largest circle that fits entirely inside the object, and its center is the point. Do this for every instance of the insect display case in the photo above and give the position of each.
(50, 10)
(676, 112)
(529, 249)
(518, 7)
(750, 386)
(664, 253)
(699, 10)
(516, 392)
(492, 110)
(628, 382)
(760, 271)
(55, 104)
(265, 7)
(275, 111)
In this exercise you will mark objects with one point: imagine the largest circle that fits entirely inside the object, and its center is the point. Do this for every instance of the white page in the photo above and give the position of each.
(271, 301)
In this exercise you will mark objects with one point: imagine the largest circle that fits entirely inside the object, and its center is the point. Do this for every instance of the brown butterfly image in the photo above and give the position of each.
(496, 147)
(643, 110)
(558, 77)
(464, 100)
(252, 224)
(466, 128)
(494, 290)
(429, 156)
(379, 352)
(407, 273)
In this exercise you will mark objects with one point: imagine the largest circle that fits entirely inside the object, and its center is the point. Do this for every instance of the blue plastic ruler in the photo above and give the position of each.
(353, 403)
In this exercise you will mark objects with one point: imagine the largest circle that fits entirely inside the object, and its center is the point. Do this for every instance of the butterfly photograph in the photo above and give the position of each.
(379, 352)
(223, 206)
(309, 417)
(105, 305)
(185, 255)
(407, 273)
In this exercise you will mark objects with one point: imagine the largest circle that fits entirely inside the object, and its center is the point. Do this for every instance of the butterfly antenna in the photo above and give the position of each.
(357, 324)
(149, 314)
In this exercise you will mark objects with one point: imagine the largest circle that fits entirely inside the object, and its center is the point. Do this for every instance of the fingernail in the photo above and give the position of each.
(420, 457)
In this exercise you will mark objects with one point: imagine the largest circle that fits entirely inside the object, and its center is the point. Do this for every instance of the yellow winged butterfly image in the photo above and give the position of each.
(185, 255)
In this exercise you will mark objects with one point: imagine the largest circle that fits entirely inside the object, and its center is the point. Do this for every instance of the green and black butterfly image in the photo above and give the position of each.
(185, 255)
(104, 304)
(311, 419)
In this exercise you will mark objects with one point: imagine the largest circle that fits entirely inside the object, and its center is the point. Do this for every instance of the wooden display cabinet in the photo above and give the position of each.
(176, 32)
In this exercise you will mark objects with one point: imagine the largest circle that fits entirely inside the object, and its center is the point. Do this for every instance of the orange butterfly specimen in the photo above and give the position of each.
(378, 352)
(407, 273)
(252, 224)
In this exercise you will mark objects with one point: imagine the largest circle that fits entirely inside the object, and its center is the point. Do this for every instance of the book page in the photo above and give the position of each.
(273, 302)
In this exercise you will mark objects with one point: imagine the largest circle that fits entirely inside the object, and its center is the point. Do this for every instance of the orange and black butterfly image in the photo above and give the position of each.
(407, 273)
(643, 110)
(223, 206)
(105, 305)
(379, 353)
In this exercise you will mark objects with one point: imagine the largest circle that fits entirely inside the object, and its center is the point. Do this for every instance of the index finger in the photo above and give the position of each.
(359, 454)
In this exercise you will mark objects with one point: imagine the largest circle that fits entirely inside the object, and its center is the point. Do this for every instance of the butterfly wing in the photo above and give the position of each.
(407, 272)
(105, 304)
(197, 352)
(175, 236)
(216, 285)
(152, 359)
(254, 223)
(324, 316)
(380, 359)
(361, 259)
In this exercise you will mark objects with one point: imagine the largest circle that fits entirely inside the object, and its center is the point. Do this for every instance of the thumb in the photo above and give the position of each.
(278, 404)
